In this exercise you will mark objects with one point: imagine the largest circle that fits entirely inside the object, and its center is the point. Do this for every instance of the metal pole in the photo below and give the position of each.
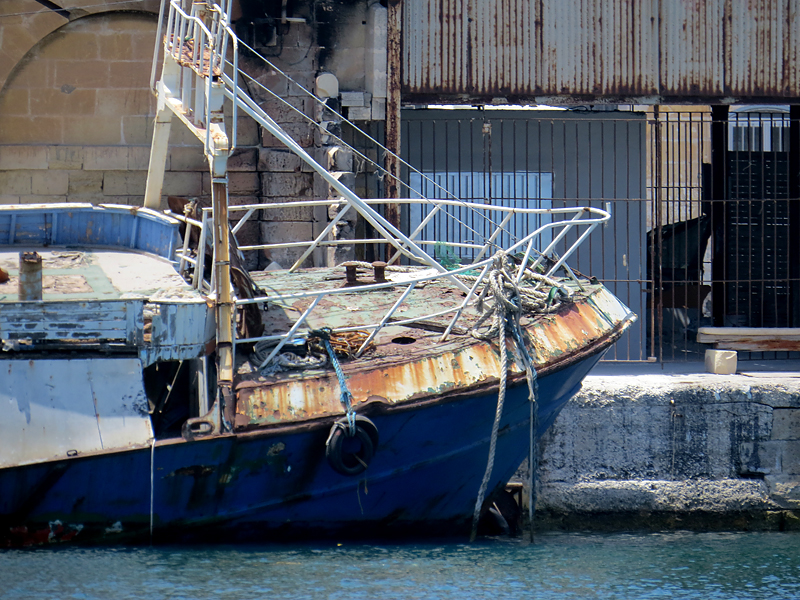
(719, 157)
(658, 250)
(794, 215)
(393, 83)
(222, 270)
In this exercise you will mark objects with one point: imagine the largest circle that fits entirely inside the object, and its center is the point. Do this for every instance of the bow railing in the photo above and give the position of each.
(577, 222)
(197, 77)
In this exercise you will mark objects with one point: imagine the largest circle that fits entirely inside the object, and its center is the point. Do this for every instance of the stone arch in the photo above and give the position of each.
(85, 83)
(76, 116)
(23, 24)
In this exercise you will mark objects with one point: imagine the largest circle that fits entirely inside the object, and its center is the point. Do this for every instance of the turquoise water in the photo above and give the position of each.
(563, 566)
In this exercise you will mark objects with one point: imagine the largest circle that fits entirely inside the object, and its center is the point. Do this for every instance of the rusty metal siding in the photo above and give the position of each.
(605, 49)
(466, 46)
(758, 46)
(692, 57)
(602, 47)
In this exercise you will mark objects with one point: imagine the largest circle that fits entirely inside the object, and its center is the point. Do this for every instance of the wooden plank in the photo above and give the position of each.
(753, 339)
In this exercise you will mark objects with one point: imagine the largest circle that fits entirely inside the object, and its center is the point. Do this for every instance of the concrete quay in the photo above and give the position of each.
(646, 447)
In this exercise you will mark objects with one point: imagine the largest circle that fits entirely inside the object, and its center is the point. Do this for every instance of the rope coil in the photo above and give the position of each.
(344, 344)
(345, 396)
(509, 298)
(508, 302)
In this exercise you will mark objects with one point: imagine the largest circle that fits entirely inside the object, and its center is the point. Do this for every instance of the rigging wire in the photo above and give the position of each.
(343, 118)
(462, 204)
(465, 205)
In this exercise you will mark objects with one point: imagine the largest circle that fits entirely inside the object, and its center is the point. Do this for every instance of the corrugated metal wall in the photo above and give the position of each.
(612, 50)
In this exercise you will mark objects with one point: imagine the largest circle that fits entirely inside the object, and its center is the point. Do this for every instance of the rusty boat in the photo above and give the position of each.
(155, 390)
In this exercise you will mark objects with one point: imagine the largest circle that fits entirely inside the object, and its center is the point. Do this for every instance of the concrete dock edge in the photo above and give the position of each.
(675, 450)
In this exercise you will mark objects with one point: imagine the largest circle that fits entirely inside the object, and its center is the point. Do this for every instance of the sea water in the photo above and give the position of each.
(673, 565)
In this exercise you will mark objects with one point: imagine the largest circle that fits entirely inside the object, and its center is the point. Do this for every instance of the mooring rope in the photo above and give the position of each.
(533, 445)
(152, 483)
(501, 396)
(506, 310)
(535, 294)
(346, 397)
(533, 464)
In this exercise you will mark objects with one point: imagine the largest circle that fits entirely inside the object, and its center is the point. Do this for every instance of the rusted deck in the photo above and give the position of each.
(97, 274)
(410, 363)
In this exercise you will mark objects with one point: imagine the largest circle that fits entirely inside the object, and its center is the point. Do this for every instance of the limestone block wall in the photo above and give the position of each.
(76, 114)
(283, 176)
(334, 39)
(674, 451)
(76, 118)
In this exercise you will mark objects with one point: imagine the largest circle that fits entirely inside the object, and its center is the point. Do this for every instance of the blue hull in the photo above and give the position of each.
(276, 483)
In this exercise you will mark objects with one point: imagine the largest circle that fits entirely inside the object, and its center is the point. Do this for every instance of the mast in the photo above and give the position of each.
(191, 88)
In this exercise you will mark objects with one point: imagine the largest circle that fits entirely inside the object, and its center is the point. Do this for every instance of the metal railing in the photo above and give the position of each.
(197, 40)
(724, 237)
(581, 222)
(583, 219)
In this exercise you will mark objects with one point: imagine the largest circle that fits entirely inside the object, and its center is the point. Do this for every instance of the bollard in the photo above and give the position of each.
(350, 273)
(30, 276)
(380, 271)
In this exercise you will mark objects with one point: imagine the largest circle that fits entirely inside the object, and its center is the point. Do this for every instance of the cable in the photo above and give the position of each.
(465, 205)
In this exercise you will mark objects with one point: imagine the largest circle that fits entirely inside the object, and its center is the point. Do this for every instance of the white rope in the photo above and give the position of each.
(501, 396)
(508, 297)
(533, 465)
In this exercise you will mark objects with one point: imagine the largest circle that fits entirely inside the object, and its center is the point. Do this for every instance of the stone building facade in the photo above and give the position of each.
(76, 110)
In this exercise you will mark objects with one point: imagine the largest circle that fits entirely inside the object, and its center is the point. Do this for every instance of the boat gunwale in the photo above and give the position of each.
(488, 386)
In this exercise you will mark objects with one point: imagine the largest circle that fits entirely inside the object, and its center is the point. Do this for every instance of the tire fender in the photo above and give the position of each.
(344, 460)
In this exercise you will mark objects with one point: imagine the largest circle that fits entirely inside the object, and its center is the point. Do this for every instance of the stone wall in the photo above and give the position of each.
(656, 451)
(76, 119)
(76, 116)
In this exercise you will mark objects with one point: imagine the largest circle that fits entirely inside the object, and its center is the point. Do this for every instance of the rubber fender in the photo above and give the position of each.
(351, 455)
(369, 427)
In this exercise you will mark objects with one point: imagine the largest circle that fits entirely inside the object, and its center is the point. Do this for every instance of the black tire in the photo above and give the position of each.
(369, 427)
(346, 462)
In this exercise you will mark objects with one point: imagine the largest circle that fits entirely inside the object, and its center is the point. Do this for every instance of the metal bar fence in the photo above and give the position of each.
(692, 211)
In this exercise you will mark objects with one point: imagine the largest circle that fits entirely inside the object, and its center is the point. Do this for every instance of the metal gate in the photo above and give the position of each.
(723, 244)
(675, 235)
(542, 159)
